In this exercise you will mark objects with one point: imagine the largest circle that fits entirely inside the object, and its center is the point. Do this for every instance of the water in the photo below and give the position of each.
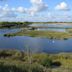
(36, 44)
(51, 27)
(5, 31)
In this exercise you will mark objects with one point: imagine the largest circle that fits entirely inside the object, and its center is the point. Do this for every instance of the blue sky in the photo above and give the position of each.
(36, 10)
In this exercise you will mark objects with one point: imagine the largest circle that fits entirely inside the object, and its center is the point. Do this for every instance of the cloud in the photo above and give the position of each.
(9, 15)
(37, 6)
(62, 6)
(21, 9)
(36, 2)
(6, 12)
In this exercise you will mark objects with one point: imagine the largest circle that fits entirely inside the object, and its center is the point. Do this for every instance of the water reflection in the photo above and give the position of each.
(36, 44)
(51, 27)
(4, 31)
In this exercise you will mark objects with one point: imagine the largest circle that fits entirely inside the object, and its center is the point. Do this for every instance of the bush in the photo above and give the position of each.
(56, 64)
(43, 59)
(37, 68)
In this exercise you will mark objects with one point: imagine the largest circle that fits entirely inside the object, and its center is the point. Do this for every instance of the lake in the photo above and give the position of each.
(35, 44)
(51, 27)
(5, 31)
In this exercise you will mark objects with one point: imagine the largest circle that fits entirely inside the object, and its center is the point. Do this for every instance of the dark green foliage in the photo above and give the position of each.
(65, 38)
(14, 24)
(11, 68)
(43, 59)
(4, 54)
(46, 62)
(56, 64)
(9, 35)
(21, 68)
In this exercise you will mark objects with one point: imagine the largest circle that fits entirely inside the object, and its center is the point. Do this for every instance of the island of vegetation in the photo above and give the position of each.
(44, 34)
(30, 31)
(14, 24)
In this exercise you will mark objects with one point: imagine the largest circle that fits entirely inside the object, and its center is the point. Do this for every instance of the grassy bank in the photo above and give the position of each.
(16, 61)
(46, 34)
(14, 24)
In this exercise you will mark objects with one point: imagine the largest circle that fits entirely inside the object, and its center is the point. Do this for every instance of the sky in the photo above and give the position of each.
(36, 10)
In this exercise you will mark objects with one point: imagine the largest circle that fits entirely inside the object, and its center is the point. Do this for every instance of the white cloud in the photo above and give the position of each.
(32, 11)
(62, 6)
(5, 11)
(37, 6)
(21, 9)
(36, 2)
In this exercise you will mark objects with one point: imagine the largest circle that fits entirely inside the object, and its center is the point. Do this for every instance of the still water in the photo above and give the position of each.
(4, 31)
(51, 27)
(35, 44)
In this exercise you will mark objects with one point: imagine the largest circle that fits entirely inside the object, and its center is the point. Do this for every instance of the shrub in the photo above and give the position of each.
(43, 59)
(37, 68)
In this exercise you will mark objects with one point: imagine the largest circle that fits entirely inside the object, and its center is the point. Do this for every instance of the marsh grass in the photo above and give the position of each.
(46, 34)
(17, 61)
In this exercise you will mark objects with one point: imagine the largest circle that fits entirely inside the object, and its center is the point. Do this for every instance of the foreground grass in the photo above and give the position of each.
(16, 61)
(47, 34)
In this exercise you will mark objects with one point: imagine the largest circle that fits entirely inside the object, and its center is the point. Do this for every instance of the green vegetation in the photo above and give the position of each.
(69, 30)
(24, 24)
(17, 61)
(47, 34)
(14, 24)
(31, 31)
